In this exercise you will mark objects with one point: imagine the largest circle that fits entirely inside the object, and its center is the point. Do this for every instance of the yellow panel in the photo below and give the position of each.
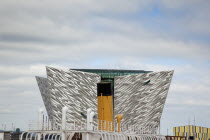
(205, 130)
(201, 129)
(177, 133)
(186, 128)
(177, 129)
(191, 128)
(174, 129)
(208, 130)
(182, 128)
(105, 113)
(197, 129)
(183, 134)
(199, 135)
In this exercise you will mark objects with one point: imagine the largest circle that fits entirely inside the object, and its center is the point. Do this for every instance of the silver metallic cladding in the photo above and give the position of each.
(44, 90)
(74, 89)
(141, 98)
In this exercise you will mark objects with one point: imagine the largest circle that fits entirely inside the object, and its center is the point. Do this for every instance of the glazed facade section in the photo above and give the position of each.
(141, 98)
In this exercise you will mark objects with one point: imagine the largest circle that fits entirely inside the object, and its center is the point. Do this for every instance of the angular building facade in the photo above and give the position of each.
(45, 93)
(138, 95)
(74, 89)
(142, 98)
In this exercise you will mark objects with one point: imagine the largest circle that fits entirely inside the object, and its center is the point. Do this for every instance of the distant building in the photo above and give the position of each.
(1, 136)
(10, 135)
(192, 132)
(5, 135)
(16, 135)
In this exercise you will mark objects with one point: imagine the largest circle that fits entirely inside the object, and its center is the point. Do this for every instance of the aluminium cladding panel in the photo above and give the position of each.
(44, 89)
(74, 89)
(141, 98)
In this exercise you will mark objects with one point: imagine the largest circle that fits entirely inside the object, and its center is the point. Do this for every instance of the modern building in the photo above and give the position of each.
(192, 132)
(138, 95)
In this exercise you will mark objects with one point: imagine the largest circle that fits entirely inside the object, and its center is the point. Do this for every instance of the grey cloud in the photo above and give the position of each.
(74, 39)
(111, 46)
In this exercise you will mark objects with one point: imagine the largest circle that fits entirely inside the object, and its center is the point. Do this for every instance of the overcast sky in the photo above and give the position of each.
(121, 34)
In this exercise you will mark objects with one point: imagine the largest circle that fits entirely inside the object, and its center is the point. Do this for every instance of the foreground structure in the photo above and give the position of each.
(139, 96)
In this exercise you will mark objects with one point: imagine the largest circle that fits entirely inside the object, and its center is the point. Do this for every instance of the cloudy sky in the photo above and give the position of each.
(121, 34)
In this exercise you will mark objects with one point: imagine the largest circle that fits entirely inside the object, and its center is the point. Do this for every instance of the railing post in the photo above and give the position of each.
(63, 125)
(88, 118)
(91, 120)
(40, 119)
(40, 122)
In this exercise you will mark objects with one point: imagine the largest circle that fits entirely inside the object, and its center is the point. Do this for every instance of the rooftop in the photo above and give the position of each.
(114, 70)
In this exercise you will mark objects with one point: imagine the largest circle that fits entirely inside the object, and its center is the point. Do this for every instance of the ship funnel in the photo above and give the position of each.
(105, 106)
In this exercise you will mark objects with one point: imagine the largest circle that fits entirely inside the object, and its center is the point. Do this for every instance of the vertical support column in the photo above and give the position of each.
(88, 118)
(40, 119)
(88, 123)
(40, 122)
(63, 125)
(87, 136)
(91, 120)
(90, 115)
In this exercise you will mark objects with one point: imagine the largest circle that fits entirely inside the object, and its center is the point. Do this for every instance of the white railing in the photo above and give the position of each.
(75, 125)
(89, 129)
(100, 135)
